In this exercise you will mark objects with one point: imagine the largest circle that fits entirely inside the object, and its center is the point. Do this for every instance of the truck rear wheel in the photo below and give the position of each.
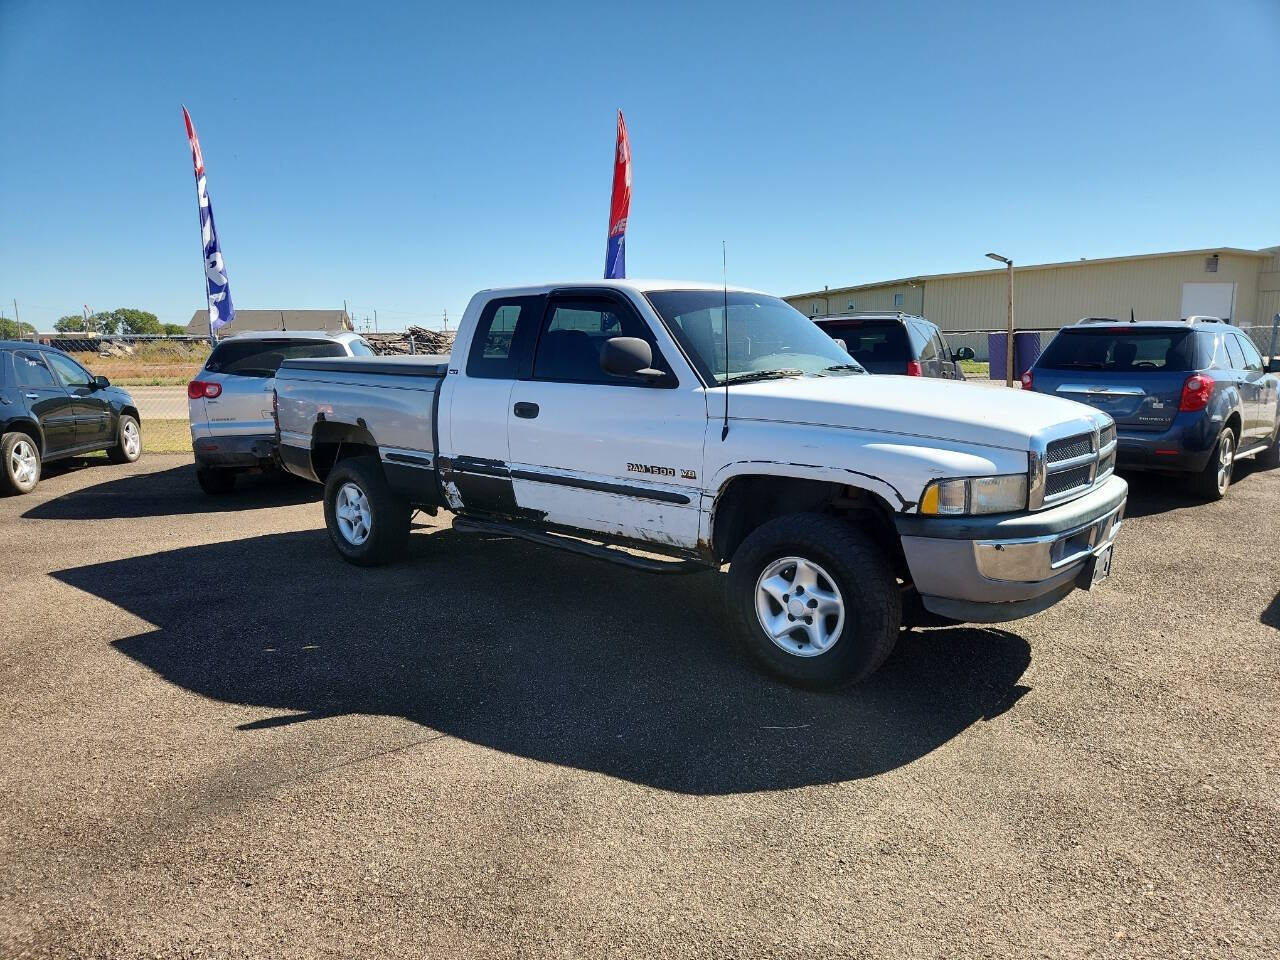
(814, 600)
(368, 523)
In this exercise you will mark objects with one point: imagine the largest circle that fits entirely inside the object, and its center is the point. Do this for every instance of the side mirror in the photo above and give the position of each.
(964, 353)
(841, 344)
(628, 357)
(1273, 365)
(101, 383)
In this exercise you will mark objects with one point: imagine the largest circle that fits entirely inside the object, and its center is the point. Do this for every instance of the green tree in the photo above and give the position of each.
(173, 329)
(136, 322)
(13, 329)
(71, 323)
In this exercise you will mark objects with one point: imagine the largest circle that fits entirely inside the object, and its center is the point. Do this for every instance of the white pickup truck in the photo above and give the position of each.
(593, 417)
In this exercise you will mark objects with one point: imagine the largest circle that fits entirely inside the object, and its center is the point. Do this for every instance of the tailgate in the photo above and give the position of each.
(243, 407)
(1136, 401)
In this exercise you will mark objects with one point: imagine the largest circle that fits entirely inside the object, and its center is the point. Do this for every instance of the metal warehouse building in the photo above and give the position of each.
(1240, 285)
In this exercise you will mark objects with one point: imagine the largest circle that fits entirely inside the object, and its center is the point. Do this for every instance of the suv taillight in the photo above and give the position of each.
(914, 369)
(1028, 380)
(1196, 393)
(203, 388)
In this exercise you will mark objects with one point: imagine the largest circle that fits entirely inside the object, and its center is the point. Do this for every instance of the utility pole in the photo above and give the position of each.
(1008, 366)
(446, 318)
(375, 321)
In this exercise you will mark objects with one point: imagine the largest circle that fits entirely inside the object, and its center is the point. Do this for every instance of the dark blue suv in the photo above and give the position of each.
(1191, 396)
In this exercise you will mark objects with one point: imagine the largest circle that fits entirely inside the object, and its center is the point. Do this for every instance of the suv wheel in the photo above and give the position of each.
(20, 470)
(128, 446)
(367, 521)
(215, 482)
(815, 600)
(1214, 480)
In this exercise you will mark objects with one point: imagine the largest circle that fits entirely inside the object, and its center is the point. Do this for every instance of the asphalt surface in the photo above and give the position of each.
(219, 740)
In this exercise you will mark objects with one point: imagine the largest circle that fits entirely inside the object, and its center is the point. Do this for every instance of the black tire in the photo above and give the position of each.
(216, 483)
(853, 564)
(19, 463)
(1207, 484)
(1269, 458)
(120, 453)
(387, 532)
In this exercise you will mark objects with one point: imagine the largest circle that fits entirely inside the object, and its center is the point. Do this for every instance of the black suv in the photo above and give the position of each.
(51, 407)
(896, 343)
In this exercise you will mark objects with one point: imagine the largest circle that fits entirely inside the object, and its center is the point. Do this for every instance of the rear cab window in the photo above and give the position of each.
(262, 357)
(1120, 350)
(879, 345)
(502, 345)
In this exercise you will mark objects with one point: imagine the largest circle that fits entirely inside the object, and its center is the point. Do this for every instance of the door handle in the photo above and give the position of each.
(32, 396)
(526, 411)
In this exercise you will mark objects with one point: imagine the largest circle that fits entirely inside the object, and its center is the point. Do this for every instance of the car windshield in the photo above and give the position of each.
(768, 338)
(1119, 349)
(262, 357)
(879, 345)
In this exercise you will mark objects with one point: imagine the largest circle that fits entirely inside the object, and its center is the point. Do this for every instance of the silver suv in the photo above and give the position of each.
(229, 402)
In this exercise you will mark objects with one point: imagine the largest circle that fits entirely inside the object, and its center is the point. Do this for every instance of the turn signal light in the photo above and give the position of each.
(203, 388)
(913, 369)
(1028, 380)
(1196, 393)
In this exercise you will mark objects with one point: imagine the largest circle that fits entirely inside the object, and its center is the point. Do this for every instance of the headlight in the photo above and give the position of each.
(971, 495)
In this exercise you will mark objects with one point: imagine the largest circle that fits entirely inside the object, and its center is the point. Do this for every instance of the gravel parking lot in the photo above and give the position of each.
(220, 739)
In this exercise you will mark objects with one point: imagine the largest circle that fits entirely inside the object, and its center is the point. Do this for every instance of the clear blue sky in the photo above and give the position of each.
(402, 156)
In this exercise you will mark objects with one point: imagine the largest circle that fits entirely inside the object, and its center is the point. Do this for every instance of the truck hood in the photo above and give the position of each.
(908, 406)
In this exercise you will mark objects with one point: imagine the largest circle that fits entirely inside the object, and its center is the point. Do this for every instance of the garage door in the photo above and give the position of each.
(1208, 300)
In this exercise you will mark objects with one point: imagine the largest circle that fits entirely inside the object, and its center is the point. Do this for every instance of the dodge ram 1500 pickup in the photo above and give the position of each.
(676, 427)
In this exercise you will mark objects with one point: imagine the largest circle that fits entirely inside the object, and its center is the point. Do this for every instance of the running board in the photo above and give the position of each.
(597, 551)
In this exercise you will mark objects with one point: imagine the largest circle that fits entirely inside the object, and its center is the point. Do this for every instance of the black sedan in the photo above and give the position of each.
(51, 407)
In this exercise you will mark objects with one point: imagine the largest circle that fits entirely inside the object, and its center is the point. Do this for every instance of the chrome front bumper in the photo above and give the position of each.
(993, 569)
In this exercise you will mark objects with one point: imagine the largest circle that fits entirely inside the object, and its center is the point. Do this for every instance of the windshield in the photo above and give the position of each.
(767, 337)
(262, 358)
(1119, 349)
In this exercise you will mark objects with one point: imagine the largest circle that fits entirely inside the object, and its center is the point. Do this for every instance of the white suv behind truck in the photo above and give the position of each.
(592, 417)
(229, 401)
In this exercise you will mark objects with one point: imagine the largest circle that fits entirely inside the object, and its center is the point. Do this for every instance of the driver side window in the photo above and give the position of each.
(72, 374)
(574, 332)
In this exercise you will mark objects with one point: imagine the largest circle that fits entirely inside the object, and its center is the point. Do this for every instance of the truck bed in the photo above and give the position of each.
(384, 402)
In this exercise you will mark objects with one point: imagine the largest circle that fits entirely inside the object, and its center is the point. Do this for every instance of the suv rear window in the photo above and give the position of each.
(1120, 350)
(262, 358)
(876, 344)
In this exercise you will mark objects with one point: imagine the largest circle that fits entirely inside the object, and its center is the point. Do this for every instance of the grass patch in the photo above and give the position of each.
(150, 381)
(978, 369)
(166, 436)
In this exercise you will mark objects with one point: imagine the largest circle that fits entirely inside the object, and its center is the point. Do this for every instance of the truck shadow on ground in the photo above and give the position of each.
(1153, 493)
(168, 493)
(538, 654)
(1271, 615)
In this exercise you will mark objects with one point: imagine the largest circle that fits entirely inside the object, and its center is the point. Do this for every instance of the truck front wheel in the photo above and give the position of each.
(367, 521)
(815, 600)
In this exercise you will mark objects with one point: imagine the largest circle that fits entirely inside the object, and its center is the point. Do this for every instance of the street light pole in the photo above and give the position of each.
(1008, 363)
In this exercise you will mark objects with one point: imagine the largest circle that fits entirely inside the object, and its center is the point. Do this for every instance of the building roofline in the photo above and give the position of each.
(1264, 254)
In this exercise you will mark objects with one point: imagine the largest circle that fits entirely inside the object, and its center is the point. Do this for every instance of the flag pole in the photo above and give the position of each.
(186, 119)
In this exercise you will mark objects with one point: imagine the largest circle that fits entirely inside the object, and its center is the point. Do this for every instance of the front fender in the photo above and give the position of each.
(896, 468)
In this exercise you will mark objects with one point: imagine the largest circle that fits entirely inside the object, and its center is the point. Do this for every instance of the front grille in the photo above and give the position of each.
(1108, 436)
(1069, 448)
(1107, 463)
(1061, 482)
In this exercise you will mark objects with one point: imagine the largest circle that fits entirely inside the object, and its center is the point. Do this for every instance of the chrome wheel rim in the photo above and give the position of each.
(24, 464)
(351, 509)
(132, 440)
(1226, 459)
(799, 606)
